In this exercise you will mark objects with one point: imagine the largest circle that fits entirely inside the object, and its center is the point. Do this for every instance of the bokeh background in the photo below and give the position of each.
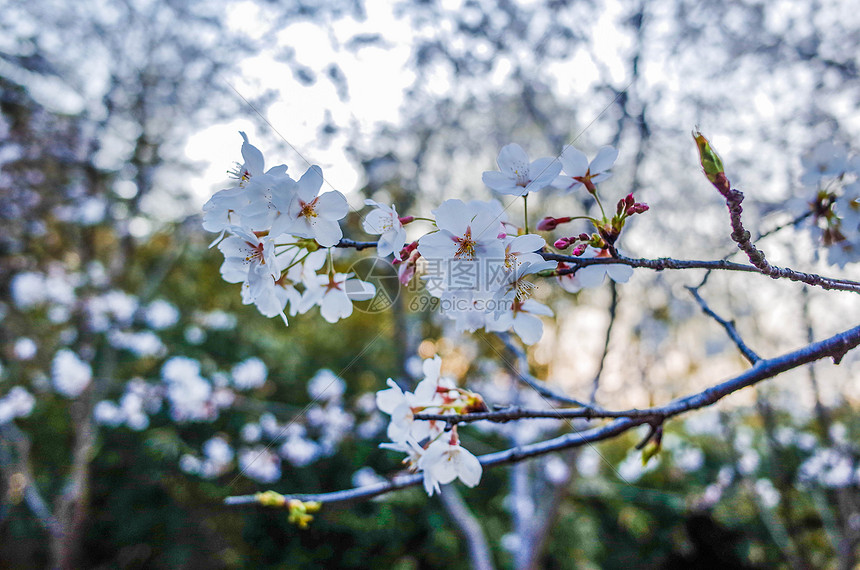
(119, 119)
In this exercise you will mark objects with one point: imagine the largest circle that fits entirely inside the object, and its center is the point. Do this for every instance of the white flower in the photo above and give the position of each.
(518, 176)
(222, 210)
(383, 221)
(17, 403)
(334, 294)
(188, 392)
(107, 413)
(70, 374)
(25, 348)
(219, 452)
(161, 315)
(411, 448)
(254, 164)
(249, 374)
(578, 172)
(444, 461)
(28, 289)
(325, 385)
(248, 258)
(260, 464)
(826, 159)
(466, 246)
(316, 216)
(399, 405)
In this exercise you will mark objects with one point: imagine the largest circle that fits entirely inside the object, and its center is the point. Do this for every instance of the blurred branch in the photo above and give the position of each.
(479, 551)
(20, 478)
(521, 369)
(748, 353)
(613, 310)
(834, 347)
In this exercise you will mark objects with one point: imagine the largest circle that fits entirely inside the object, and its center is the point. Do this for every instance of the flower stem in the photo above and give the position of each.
(597, 199)
(526, 211)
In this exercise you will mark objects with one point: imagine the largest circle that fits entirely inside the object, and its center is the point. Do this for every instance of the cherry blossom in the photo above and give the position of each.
(316, 216)
(254, 164)
(70, 374)
(517, 176)
(383, 221)
(445, 460)
(334, 294)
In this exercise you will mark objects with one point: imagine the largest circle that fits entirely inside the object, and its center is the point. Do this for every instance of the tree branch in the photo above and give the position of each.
(834, 347)
(664, 263)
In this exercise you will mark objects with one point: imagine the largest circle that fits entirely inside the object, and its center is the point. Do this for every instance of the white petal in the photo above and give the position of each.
(388, 400)
(498, 181)
(469, 468)
(453, 215)
(528, 327)
(310, 183)
(376, 222)
(574, 162)
(335, 306)
(604, 160)
(512, 158)
(619, 273)
(439, 245)
(590, 276)
(542, 172)
(527, 243)
(332, 206)
(252, 156)
(326, 232)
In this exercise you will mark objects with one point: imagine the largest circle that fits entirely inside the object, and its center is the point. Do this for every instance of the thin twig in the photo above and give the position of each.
(613, 311)
(538, 385)
(834, 347)
(748, 353)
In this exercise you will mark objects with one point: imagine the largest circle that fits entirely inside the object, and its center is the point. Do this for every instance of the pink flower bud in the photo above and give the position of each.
(580, 249)
(562, 243)
(547, 224)
(550, 223)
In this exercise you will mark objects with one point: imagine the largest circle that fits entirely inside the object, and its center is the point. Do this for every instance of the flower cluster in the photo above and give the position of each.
(475, 262)
(431, 449)
(834, 210)
(276, 227)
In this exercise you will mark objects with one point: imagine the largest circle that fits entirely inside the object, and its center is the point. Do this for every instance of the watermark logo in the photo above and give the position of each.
(382, 275)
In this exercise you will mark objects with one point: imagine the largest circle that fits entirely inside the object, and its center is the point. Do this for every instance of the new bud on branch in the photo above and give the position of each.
(711, 163)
